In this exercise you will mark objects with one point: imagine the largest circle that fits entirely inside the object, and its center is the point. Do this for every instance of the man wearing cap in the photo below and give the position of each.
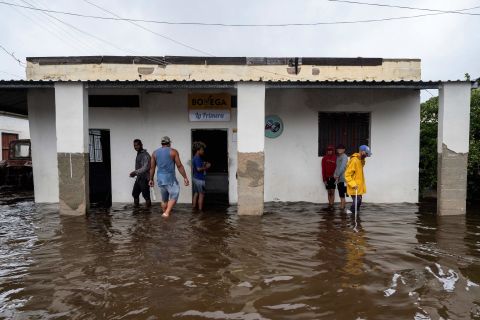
(354, 177)
(165, 159)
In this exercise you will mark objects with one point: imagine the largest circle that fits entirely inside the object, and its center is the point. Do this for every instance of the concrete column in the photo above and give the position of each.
(41, 119)
(250, 146)
(453, 142)
(71, 114)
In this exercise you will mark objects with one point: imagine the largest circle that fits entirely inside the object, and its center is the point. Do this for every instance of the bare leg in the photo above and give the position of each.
(331, 197)
(164, 206)
(201, 199)
(342, 203)
(170, 205)
(195, 201)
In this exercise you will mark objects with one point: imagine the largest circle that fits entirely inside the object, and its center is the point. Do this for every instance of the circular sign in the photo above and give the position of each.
(273, 127)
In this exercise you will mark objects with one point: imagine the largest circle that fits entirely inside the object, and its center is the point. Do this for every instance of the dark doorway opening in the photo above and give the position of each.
(216, 181)
(100, 176)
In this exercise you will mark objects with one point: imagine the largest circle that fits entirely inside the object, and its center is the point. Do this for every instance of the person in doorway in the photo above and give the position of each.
(339, 175)
(164, 160)
(141, 174)
(199, 172)
(354, 177)
(329, 163)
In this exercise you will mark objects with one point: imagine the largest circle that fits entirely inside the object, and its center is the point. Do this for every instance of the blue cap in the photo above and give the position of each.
(366, 149)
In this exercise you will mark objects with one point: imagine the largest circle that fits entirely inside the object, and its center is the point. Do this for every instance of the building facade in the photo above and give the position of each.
(266, 122)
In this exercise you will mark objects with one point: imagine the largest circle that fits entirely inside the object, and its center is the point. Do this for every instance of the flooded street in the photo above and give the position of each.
(298, 261)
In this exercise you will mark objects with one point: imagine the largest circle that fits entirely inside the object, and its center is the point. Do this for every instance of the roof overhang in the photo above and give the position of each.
(13, 93)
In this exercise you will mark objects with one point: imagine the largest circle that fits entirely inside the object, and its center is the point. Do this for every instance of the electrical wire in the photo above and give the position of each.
(405, 7)
(149, 30)
(11, 54)
(98, 38)
(196, 23)
(47, 25)
(12, 74)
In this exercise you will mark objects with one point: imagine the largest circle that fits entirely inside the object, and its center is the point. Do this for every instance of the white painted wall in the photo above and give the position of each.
(292, 165)
(41, 115)
(71, 111)
(159, 114)
(16, 125)
(454, 116)
(251, 117)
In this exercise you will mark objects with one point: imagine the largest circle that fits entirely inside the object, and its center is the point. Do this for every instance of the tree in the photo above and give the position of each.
(428, 146)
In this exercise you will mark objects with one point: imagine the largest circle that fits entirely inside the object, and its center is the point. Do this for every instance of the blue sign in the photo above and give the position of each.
(273, 126)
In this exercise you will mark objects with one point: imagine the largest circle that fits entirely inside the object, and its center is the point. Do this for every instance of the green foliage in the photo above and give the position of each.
(428, 146)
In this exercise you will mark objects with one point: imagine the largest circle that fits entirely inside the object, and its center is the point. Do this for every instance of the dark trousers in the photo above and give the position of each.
(141, 186)
(359, 203)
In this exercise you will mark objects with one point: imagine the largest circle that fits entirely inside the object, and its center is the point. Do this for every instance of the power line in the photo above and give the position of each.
(405, 7)
(94, 36)
(12, 74)
(11, 54)
(196, 23)
(49, 27)
(151, 31)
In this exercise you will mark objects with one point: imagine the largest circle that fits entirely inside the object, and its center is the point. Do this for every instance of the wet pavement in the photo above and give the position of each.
(298, 261)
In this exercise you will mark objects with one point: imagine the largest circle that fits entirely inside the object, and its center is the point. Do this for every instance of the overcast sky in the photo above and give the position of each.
(448, 44)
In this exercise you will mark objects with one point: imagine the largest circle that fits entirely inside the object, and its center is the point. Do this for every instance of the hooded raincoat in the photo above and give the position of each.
(354, 175)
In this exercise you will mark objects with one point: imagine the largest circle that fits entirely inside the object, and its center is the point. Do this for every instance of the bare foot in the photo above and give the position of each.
(165, 215)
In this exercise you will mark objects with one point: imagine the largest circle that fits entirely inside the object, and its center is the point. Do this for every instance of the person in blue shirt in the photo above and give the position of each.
(199, 172)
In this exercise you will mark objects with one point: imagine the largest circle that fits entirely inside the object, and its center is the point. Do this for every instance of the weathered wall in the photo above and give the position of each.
(453, 144)
(71, 125)
(13, 124)
(292, 165)
(393, 69)
(41, 116)
(159, 114)
(251, 145)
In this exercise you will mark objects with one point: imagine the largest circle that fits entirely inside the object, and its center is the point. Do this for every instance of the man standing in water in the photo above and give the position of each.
(164, 160)
(142, 168)
(199, 172)
(354, 177)
(328, 169)
(339, 174)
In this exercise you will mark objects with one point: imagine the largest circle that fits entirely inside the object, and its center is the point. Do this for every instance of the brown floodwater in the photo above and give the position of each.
(298, 261)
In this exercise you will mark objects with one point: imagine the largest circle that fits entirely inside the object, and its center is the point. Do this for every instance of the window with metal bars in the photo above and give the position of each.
(349, 129)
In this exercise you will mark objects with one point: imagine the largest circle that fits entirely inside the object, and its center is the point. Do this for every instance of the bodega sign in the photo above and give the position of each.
(209, 107)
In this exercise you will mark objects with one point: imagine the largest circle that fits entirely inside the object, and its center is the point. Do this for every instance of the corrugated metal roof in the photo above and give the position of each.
(399, 84)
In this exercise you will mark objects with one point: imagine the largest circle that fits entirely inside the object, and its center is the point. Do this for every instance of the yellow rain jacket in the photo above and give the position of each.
(354, 175)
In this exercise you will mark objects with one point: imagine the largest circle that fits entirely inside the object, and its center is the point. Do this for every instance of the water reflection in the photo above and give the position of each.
(298, 261)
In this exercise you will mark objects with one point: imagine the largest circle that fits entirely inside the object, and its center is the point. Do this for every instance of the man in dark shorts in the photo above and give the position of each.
(142, 170)
(342, 161)
(329, 163)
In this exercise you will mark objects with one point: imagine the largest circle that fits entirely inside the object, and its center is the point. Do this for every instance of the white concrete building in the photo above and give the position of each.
(266, 122)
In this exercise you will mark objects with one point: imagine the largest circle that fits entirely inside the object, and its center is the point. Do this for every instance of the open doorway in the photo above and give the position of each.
(100, 176)
(216, 181)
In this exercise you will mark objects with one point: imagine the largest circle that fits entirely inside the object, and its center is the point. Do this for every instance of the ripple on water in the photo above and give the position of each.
(298, 261)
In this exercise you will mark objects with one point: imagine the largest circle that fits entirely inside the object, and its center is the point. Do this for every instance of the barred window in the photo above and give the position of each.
(95, 146)
(350, 129)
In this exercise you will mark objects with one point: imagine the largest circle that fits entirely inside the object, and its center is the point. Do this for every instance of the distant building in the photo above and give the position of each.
(266, 122)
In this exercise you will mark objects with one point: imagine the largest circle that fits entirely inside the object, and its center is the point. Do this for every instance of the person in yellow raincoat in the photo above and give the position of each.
(354, 177)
